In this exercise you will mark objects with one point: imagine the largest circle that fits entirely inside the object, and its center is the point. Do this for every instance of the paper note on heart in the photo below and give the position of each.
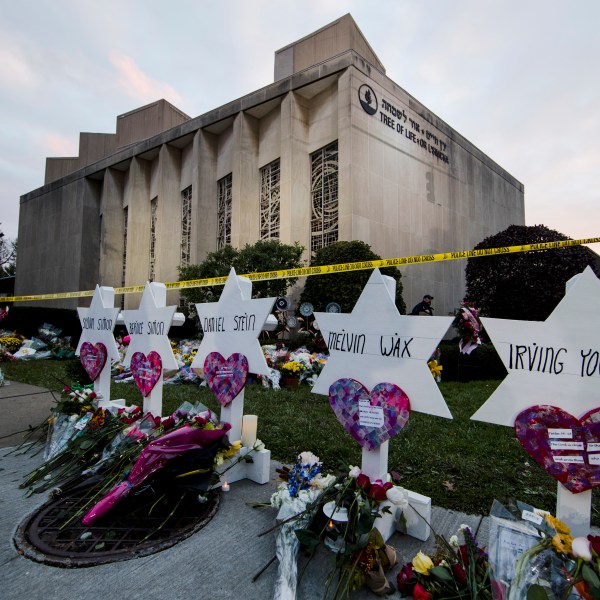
(93, 358)
(370, 419)
(146, 370)
(226, 377)
(566, 447)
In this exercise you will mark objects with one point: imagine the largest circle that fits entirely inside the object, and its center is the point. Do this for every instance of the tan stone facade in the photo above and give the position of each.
(332, 150)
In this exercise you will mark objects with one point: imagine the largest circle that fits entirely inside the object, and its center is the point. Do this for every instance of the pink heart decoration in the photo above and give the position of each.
(226, 377)
(146, 370)
(93, 358)
(370, 418)
(556, 439)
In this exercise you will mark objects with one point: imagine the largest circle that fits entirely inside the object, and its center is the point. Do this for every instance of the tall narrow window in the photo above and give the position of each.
(224, 211)
(269, 201)
(324, 197)
(153, 214)
(186, 226)
(124, 256)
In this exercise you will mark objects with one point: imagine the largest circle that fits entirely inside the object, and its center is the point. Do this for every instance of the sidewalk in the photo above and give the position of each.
(216, 563)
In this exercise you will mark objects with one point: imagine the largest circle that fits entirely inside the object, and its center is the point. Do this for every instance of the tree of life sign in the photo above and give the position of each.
(97, 347)
(551, 394)
(228, 352)
(377, 372)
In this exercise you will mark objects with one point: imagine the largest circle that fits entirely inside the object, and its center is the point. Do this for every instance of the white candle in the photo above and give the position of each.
(249, 427)
(225, 486)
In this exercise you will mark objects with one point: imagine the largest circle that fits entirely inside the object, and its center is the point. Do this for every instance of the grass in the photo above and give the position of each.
(461, 464)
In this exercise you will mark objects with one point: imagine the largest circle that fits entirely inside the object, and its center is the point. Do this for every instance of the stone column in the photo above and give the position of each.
(245, 201)
(204, 196)
(112, 232)
(137, 199)
(295, 173)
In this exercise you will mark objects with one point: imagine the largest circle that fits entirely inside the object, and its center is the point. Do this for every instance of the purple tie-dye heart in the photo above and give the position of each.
(226, 377)
(93, 358)
(567, 448)
(370, 418)
(146, 370)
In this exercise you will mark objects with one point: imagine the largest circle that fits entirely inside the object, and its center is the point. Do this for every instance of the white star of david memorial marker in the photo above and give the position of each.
(97, 326)
(148, 329)
(554, 362)
(376, 344)
(232, 325)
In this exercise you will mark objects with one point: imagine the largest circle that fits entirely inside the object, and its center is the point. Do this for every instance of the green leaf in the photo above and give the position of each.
(442, 574)
(99, 546)
(590, 576)
(536, 592)
(307, 538)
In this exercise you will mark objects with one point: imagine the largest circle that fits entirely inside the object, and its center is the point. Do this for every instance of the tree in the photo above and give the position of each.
(526, 285)
(268, 255)
(8, 256)
(345, 288)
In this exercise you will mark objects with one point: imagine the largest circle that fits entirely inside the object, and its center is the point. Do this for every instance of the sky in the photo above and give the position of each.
(517, 78)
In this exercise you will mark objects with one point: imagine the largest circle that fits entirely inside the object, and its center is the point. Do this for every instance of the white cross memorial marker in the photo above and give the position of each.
(97, 325)
(375, 344)
(232, 325)
(553, 362)
(148, 328)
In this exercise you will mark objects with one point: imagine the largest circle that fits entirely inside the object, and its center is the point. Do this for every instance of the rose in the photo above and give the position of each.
(363, 482)
(422, 563)
(198, 420)
(377, 492)
(582, 548)
(259, 445)
(594, 543)
(459, 574)
(420, 593)
(354, 472)
(406, 580)
(397, 496)
(168, 423)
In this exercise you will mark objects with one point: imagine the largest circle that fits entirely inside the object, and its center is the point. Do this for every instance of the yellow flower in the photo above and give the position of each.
(436, 370)
(562, 543)
(233, 449)
(557, 524)
(422, 563)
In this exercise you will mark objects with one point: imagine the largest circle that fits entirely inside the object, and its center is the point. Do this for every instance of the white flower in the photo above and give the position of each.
(463, 527)
(581, 548)
(308, 458)
(454, 541)
(398, 496)
(354, 472)
(258, 445)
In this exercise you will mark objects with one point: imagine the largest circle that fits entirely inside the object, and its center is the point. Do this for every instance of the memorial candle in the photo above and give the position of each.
(249, 428)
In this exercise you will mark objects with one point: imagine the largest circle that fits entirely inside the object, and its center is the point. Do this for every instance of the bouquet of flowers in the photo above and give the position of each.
(469, 327)
(559, 566)
(293, 368)
(338, 512)
(455, 571)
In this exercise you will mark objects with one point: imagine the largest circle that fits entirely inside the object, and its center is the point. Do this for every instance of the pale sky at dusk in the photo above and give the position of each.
(517, 78)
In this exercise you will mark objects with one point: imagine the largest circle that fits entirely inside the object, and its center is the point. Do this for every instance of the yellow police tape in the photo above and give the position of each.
(325, 269)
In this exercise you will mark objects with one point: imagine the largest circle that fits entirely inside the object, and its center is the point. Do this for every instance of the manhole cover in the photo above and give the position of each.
(143, 524)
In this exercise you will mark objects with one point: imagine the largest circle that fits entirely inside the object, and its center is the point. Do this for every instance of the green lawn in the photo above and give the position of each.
(461, 464)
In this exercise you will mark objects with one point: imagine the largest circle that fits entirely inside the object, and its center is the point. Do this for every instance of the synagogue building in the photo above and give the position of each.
(332, 150)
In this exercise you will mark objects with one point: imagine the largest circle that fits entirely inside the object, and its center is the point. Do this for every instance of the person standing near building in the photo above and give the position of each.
(424, 307)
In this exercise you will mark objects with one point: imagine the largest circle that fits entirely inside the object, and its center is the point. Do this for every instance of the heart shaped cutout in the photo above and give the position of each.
(370, 418)
(93, 358)
(226, 377)
(566, 447)
(146, 370)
